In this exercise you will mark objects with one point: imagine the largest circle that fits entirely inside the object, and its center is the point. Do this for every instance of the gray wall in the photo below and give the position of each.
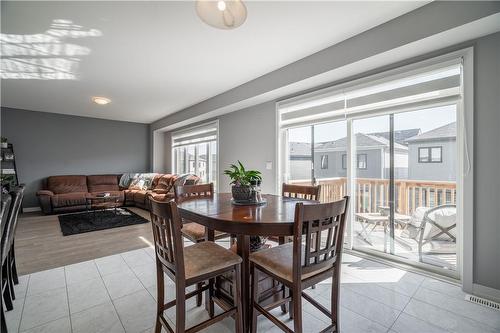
(446, 170)
(48, 144)
(487, 161)
(249, 135)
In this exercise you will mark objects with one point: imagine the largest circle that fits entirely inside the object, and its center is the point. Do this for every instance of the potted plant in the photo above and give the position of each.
(242, 181)
(3, 142)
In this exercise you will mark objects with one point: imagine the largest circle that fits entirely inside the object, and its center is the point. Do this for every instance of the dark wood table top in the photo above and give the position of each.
(274, 218)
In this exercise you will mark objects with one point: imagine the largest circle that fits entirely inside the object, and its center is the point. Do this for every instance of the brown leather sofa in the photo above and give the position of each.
(62, 194)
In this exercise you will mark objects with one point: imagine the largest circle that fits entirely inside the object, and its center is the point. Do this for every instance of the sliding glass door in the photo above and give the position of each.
(316, 156)
(371, 179)
(391, 144)
(425, 200)
(404, 167)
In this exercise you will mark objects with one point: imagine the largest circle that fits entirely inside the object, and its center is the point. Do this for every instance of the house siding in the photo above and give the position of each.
(446, 170)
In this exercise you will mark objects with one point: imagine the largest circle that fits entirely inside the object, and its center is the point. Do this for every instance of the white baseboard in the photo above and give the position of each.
(486, 292)
(31, 209)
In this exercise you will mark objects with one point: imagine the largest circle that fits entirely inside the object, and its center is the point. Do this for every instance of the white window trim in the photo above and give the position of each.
(192, 128)
(465, 153)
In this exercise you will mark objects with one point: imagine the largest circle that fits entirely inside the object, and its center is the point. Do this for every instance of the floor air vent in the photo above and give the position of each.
(483, 302)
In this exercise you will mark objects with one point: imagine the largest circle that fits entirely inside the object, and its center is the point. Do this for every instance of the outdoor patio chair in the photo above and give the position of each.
(428, 225)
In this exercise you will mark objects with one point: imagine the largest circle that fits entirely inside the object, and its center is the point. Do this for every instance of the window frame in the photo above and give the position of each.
(185, 147)
(344, 161)
(429, 154)
(324, 162)
(366, 161)
(465, 165)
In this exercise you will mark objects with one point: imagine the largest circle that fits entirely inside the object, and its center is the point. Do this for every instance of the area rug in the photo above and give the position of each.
(77, 223)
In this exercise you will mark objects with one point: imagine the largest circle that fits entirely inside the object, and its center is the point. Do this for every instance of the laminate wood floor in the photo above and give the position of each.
(40, 244)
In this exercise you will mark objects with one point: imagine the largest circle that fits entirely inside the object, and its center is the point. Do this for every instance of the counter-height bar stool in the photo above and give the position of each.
(9, 271)
(191, 230)
(188, 266)
(307, 192)
(304, 262)
(6, 296)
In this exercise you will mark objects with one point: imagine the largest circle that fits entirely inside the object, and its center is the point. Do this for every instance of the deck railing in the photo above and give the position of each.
(372, 193)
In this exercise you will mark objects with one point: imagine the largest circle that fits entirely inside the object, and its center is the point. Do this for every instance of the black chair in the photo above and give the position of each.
(9, 270)
(4, 217)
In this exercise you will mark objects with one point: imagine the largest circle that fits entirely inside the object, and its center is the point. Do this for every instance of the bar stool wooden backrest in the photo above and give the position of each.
(169, 248)
(319, 254)
(312, 222)
(307, 192)
(190, 192)
(17, 195)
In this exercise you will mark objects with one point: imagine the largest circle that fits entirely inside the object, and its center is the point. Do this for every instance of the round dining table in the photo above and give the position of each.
(273, 218)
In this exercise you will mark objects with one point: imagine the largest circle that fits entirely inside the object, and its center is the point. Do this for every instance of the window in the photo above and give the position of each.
(324, 161)
(392, 117)
(195, 151)
(430, 155)
(361, 161)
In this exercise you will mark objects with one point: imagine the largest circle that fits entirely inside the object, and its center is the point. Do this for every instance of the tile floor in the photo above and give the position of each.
(117, 294)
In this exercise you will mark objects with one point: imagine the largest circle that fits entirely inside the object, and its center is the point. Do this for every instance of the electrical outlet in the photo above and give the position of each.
(269, 165)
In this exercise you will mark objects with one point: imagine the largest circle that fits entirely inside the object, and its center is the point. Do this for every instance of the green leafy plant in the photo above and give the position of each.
(3, 139)
(242, 177)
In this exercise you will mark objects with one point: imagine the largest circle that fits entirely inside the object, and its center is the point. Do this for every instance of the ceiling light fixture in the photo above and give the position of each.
(101, 100)
(228, 14)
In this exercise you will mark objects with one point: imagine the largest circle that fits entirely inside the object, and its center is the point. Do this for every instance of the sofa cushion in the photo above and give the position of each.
(103, 183)
(69, 199)
(129, 195)
(67, 184)
(164, 182)
(140, 196)
(141, 183)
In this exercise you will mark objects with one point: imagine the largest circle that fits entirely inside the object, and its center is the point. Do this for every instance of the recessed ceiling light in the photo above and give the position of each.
(101, 100)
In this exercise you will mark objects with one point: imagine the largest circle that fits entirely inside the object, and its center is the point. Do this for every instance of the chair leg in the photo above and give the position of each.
(4, 323)
(9, 277)
(180, 308)
(209, 302)
(160, 296)
(15, 278)
(297, 310)
(334, 302)
(7, 298)
(290, 304)
(237, 300)
(254, 298)
(199, 297)
(284, 307)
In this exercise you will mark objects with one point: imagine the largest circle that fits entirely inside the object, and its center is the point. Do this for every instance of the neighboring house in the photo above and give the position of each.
(372, 157)
(433, 154)
(300, 160)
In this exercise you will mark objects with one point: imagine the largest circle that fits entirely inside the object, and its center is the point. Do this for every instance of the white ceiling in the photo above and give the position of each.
(155, 58)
